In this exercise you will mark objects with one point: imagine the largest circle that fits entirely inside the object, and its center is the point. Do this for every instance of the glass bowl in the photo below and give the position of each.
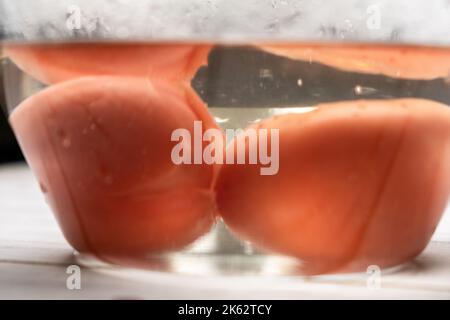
(265, 137)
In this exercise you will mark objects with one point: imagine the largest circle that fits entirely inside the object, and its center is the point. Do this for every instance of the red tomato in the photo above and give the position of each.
(61, 62)
(359, 183)
(394, 61)
(101, 149)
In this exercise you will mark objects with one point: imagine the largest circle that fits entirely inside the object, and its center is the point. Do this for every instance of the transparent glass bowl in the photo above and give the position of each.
(340, 130)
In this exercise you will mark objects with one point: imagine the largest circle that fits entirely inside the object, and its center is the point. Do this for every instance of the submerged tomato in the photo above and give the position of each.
(61, 62)
(101, 149)
(359, 183)
(394, 61)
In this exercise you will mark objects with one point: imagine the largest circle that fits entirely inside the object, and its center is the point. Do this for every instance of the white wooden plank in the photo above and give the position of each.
(34, 258)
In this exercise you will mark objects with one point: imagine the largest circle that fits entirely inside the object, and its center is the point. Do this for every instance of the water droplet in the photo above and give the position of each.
(66, 143)
(93, 126)
(108, 180)
(300, 82)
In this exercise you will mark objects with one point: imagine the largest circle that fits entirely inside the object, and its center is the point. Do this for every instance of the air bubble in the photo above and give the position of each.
(221, 120)
(360, 90)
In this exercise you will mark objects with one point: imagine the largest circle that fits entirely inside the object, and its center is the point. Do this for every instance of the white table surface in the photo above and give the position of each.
(34, 257)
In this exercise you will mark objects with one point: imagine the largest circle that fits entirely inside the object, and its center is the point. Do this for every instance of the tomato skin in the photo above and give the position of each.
(100, 147)
(359, 183)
